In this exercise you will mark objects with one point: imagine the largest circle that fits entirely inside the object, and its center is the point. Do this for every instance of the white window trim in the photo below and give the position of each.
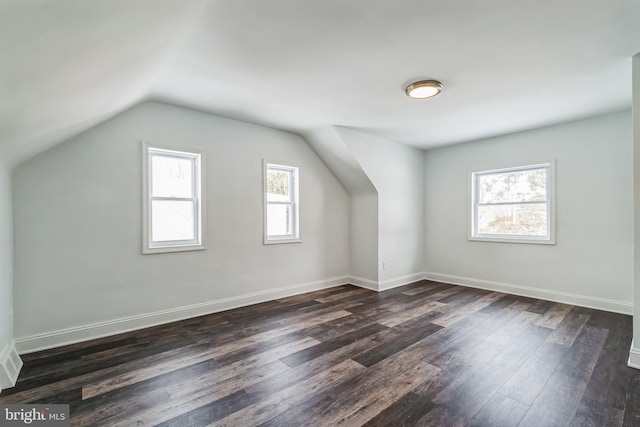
(274, 240)
(198, 244)
(551, 207)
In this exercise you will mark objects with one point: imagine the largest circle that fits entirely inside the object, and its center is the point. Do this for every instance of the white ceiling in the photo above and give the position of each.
(506, 65)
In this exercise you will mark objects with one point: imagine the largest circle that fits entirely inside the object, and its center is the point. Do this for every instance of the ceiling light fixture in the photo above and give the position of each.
(423, 89)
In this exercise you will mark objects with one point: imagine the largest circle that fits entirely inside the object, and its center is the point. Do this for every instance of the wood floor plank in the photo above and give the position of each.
(395, 344)
(604, 398)
(561, 396)
(284, 400)
(458, 368)
(302, 372)
(405, 411)
(363, 396)
(79, 380)
(312, 352)
(464, 297)
(567, 331)
(173, 408)
(211, 412)
(297, 324)
(453, 316)
(515, 327)
(338, 327)
(260, 348)
(342, 295)
(83, 366)
(186, 396)
(377, 398)
(499, 411)
(465, 337)
(172, 365)
(525, 385)
(540, 306)
(632, 404)
(463, 401)
(394, 319)
(501, 304)
(554, 315)
(375, 303)
(149, 393)
(425, 354)
(424, 286)
(434, 294)
(267, 363)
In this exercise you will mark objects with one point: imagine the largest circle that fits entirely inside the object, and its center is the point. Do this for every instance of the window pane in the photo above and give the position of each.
(279, 220)
(172, 220)
(278, 185)
(517, 186)
(523, 220)
(171, 176)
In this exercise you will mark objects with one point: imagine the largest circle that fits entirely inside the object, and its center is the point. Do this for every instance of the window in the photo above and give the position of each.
(172, 188)
(281, 204)
(513, 205)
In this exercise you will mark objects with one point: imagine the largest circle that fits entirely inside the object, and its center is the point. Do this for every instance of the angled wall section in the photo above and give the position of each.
(385, 182)
(363, 205)
(397, 172)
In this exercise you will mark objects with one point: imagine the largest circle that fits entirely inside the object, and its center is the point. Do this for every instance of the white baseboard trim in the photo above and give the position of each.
(545, 294)
(372, 285)
(88, 332)
(10, 365)
(381, 286)
(634, 357)
(400, 281)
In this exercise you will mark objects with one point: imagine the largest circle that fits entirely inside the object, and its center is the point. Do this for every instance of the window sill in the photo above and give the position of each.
(513, 240)
(281, 241)
(168, 249)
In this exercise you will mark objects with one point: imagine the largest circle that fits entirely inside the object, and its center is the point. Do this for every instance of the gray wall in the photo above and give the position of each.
(593, 255)
(363, 238)
(78, 222)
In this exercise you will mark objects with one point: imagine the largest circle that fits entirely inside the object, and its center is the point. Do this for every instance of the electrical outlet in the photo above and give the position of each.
(384, 265)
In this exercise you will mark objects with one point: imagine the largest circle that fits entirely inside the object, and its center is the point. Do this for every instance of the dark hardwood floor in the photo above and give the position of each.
(425, 354)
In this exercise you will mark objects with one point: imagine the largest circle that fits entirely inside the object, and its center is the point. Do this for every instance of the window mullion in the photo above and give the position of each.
(173, 199)
(512, 203)
(270, 202)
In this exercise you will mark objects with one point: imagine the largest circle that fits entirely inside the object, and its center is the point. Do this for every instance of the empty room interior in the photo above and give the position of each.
(320, 213)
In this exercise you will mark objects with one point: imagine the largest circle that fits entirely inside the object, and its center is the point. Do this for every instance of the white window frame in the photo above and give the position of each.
(197, 158)
(548, 239)
(294, 200)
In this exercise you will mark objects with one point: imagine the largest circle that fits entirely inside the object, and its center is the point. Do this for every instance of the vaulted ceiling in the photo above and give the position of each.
(300, 65)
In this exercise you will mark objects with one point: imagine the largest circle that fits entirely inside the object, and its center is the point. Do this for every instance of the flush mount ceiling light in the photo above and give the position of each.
(423, 89)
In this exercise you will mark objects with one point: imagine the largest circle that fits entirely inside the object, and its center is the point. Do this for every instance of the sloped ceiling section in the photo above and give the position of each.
(68, 65)
(336, 155)
(302, 65)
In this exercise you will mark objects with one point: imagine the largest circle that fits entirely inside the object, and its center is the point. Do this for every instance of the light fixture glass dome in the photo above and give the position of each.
(423, 89)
